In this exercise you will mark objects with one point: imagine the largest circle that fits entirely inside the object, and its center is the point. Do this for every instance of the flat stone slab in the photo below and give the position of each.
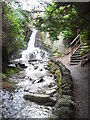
(41, 99)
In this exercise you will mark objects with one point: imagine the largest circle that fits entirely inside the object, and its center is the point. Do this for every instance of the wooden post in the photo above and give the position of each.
(71, 50)
(80, 39)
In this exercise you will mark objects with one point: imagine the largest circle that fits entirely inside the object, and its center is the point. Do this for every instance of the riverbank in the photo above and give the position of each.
(64, 107)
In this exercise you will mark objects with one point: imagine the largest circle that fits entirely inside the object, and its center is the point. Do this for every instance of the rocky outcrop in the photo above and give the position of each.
(64, 105)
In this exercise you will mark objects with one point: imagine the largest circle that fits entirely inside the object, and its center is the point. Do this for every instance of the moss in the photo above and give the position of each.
(3, 76)
(9, 71)
(55, 70)
(60, 54)
(54, 51)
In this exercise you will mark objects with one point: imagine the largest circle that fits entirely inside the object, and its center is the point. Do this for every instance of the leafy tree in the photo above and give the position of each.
(14, 21)
(70, 18)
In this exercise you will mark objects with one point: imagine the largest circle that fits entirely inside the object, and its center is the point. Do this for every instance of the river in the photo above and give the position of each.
(31, 93)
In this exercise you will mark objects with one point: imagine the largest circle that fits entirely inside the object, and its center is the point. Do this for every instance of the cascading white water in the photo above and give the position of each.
(32, 52)
(30, 48)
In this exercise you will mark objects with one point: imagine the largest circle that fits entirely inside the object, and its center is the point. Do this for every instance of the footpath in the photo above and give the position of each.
(80, 76)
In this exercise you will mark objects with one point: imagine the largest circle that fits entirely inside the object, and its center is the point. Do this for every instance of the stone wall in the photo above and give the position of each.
(64, 106)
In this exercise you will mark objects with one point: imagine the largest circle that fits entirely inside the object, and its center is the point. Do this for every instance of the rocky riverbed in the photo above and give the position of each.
(31, 93)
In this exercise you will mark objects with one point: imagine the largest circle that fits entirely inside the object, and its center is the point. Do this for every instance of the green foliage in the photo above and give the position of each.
(60, 54)
(3, 76)
(55, 70)
(84, 50)
(14, 21)
(70, 18)
(54, 51)
(9, 71)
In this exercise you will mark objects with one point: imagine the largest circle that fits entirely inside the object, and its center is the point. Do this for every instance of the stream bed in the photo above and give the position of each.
(31, 93)
(27, 82)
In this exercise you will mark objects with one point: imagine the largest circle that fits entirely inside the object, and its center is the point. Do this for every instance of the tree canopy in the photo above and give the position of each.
(69, 18)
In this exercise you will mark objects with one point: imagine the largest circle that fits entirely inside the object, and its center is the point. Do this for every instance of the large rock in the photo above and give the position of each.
(40, 99)
(22, 65)
(64, 113)
(65, 100)
(32, 56)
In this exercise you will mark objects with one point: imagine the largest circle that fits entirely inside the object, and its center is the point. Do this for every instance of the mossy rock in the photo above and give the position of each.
(54, 117)
(63, 112)
(39, 99)
(64, 101)
(67, 92)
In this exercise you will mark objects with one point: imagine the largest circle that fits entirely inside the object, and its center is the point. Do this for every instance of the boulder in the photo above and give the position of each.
(35, 67)
(63, 112)
(22, 65)
(64, 101)
(41, 99)
(32, 56)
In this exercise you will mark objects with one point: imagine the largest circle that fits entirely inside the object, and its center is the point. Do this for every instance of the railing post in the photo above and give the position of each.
(80, 39)
(71, 50)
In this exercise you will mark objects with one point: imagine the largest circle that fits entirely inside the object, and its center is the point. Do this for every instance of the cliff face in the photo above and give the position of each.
(27, 33)
(57, 44)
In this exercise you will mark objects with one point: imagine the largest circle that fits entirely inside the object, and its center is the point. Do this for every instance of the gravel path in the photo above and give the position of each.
(80, 79)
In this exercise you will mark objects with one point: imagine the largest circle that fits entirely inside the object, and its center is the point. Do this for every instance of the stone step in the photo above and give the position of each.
(76, 54)
(75, 61)
(75, 58)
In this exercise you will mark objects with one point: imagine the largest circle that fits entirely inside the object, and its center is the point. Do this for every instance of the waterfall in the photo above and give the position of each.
(33, 52)
(30, 48)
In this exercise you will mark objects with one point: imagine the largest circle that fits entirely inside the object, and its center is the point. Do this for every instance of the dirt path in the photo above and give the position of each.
(80, 79)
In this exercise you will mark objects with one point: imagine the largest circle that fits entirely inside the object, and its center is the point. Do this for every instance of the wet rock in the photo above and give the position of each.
(51, 75)
(51, 92)
(22, 65)
(54, 117)
(40, 80)
(30, 79)
(45, 67)
(50, 104)
(55, 77)
(51, 85)
(42, 53)
(12, 65)
(32, 56)
(39, 98)
(67, 92)
(41, 70)
(26, 90)
(35, 67)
